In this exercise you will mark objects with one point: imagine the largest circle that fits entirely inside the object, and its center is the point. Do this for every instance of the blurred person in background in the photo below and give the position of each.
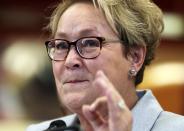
(99, 50)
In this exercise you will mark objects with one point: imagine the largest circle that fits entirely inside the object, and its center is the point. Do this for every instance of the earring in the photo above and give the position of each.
(132, 72)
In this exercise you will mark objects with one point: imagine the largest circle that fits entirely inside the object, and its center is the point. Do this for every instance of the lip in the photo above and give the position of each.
(75, 81)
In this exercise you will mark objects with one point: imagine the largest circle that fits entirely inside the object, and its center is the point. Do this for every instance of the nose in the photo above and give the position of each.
(73, 60)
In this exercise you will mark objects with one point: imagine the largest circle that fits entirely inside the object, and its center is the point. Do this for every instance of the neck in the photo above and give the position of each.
(130, 97)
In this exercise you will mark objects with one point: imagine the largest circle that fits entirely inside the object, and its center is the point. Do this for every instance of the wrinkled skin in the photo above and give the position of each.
(93, 87)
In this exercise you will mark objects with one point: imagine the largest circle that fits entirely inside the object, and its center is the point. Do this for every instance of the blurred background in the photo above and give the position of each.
(27, 89)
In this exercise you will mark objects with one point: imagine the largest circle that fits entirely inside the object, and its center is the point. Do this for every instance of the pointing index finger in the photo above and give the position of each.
(116, 104)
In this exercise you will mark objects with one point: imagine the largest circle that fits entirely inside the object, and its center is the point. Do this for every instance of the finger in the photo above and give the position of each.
(118, 111)
(100, 106)
(92, 117)
(108, 89)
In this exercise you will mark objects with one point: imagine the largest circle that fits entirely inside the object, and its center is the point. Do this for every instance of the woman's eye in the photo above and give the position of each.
(62, 45)
(91, 43)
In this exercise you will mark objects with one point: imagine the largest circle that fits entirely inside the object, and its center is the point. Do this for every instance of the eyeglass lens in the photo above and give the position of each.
(86, 48)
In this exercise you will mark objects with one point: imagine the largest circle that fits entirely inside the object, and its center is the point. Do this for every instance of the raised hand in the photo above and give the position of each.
(109, 112)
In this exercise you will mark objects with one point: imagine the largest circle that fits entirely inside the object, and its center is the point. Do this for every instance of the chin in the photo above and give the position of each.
(74, 101)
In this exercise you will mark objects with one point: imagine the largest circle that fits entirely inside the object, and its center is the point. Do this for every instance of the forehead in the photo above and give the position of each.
(82, 18)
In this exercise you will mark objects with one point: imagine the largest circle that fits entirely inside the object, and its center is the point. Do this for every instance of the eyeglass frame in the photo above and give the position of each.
(102, 40)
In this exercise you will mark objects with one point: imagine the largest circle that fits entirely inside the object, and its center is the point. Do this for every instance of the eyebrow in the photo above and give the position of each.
(82, 33)
(60, 35)
(88, 32)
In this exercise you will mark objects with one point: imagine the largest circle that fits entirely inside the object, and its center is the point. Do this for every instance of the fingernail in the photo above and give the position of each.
(99, 72)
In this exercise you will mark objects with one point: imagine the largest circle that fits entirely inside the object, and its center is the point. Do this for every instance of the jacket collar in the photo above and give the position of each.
(146, 111)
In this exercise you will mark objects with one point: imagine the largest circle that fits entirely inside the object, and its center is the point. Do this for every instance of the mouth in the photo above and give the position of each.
(75, 81)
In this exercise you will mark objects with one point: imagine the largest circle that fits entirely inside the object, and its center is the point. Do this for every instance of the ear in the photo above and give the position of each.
(136, 56)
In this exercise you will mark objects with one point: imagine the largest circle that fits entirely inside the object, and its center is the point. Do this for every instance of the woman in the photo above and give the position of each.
(99, 50)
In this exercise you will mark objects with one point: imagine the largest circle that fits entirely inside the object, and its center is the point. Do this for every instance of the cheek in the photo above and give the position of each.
(112, 63)
(55, 68)
(107, 63)
(57, 71)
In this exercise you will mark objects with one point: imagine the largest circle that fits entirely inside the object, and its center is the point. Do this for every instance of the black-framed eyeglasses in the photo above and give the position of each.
(86, 47)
